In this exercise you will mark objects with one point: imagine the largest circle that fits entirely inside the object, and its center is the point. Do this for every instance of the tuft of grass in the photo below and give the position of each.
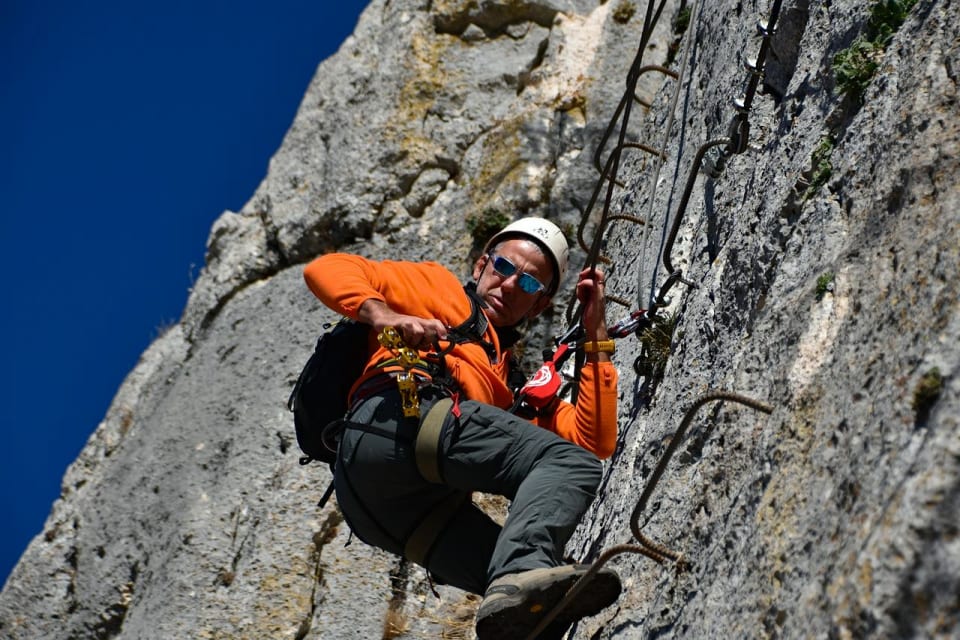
(395, 624)
(926, 393)
(825, 284)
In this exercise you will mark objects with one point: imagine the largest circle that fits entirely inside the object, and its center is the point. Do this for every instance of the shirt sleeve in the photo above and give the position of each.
(592, 422)
(343, 282)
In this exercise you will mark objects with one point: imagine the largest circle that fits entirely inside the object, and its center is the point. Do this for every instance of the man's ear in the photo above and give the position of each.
(478, 266)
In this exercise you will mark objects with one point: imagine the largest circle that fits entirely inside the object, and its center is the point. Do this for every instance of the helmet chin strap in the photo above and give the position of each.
(476, 281)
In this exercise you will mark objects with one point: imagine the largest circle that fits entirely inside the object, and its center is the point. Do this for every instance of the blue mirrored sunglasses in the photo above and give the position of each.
(527, 282)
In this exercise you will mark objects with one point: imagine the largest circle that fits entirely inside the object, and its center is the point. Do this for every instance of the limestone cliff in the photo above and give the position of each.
(820, 263)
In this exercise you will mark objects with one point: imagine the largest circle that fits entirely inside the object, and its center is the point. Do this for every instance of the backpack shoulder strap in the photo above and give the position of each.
(474, 327)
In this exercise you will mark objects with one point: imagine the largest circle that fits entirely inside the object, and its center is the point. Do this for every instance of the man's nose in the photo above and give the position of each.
(510, 283)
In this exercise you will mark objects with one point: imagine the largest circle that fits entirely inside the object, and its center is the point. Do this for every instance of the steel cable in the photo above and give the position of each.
(689, 37)
(735, 142)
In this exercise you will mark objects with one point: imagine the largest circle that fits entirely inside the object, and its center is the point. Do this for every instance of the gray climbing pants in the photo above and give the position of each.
(383, 497)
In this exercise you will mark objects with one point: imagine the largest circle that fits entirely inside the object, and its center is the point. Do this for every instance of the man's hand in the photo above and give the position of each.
(417, 333)
(590, 293)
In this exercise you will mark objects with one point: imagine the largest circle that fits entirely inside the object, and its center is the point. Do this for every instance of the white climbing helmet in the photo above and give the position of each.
(546, 234)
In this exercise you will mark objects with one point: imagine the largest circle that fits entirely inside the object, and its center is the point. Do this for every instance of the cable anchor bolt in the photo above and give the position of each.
(764, 29)
(713, 163)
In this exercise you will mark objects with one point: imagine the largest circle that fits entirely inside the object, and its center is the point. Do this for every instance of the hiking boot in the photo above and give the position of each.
(515, 603)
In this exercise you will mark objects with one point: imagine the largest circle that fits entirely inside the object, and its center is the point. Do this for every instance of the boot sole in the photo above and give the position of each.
(512, 617)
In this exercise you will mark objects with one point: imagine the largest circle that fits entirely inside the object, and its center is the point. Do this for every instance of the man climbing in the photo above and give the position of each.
(403, 482)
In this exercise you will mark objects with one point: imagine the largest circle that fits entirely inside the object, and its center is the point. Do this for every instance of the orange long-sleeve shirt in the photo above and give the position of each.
(428, 290)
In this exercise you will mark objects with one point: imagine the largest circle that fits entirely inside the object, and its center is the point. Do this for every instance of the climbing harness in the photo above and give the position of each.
(410, 385)
(427, 442)
(421, 541)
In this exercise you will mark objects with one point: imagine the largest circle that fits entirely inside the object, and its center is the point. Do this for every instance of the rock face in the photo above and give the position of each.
(825, 264)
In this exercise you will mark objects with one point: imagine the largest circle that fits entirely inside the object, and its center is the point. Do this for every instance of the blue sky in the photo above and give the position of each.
(126, 128)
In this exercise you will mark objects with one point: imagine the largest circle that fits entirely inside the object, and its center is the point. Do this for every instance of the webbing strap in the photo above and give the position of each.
(425, 535)
(428, 440)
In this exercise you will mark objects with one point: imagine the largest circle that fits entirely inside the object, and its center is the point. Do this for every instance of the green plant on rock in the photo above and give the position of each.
(484, 224)
(886, 16)
(682, 21)
(656, 345)
(821, 167)
(855, 66)
(569, 231)
(825, 284)
(624, 11)
(926, 393)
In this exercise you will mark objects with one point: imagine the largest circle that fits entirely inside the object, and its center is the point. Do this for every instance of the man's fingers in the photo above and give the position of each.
(421, 333)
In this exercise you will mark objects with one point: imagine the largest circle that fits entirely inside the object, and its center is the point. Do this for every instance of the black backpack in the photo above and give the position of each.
(319, 398)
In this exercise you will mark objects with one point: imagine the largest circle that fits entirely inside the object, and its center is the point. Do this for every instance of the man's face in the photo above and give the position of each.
(508, 302)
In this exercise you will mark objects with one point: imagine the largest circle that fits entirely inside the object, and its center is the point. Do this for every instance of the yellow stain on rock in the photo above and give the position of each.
(285, 595)
(427, 79)
(506, 173)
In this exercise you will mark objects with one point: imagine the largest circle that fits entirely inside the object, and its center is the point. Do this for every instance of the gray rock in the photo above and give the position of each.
(829, 291)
